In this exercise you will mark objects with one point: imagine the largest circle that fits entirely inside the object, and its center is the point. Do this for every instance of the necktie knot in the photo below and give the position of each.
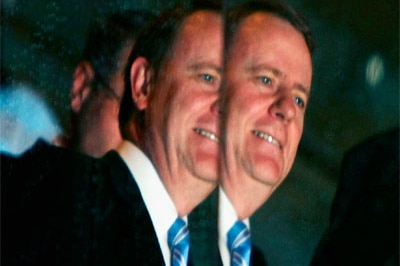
(239, 244)
(178, 242)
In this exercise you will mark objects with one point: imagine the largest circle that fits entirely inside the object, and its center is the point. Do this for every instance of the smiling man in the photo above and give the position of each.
(130, 206)
(267, 84)
(169, 119)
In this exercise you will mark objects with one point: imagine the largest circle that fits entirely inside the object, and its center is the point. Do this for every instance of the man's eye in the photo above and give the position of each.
(207, 77)
(265, 80)
(299, 101)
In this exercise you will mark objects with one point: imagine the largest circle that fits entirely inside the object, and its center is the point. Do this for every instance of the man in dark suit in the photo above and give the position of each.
(267, 82)
(127, 209)
(364, 222)
(59, 207)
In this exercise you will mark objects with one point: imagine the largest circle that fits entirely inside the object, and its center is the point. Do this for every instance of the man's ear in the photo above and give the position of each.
(81, 85)
(140, 77)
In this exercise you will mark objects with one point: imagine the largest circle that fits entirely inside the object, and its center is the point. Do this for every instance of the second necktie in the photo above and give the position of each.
(239, 244)
(178, 242)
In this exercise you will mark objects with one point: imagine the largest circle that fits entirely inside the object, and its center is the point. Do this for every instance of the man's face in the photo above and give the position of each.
(268, 79)
(183, 111)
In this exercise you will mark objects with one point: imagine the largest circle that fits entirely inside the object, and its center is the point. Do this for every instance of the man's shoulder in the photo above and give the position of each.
(62, 201)
(377, 150)
(116, 179)
(44, 154)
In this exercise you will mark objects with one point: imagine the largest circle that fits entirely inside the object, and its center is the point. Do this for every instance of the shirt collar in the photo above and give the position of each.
(226, 218)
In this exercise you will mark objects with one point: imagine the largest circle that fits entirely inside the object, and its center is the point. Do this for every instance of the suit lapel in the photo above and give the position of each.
(124, 219)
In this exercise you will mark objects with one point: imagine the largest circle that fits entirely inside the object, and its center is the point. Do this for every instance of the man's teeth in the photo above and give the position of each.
(266, 137)
(206, 134)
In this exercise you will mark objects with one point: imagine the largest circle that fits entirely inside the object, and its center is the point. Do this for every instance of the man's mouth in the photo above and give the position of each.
(206, 134)
(267, 137)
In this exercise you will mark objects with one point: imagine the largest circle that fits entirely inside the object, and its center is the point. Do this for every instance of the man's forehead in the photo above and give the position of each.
(199, 42)
(196, 21)
(197, 27)
(264, 41)
(259, 19)
(260, 28)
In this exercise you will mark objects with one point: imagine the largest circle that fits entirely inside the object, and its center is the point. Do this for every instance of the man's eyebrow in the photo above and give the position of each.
(206, 65)
(278, 74)
(303, 89)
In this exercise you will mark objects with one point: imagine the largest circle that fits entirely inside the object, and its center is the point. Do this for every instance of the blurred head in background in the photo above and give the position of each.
(98, 82)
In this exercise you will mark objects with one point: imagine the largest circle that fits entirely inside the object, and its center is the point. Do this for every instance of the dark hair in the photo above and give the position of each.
(155, 43)
(238, 13)
(106, 39)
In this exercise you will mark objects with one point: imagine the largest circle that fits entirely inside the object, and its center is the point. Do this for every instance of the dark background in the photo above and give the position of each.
(355, 94)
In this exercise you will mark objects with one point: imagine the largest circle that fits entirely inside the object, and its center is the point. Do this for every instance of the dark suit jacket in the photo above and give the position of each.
(364, 226)
(63, 208)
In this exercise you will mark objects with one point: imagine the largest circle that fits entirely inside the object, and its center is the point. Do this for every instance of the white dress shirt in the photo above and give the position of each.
(156, 198)
(226, 218)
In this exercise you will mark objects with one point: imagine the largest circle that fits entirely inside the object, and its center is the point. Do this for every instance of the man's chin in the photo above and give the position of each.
(209, 175)
(269, 174)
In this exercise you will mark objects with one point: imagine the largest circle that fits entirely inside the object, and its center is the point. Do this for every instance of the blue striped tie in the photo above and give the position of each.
(239, 244)
(178, 242)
